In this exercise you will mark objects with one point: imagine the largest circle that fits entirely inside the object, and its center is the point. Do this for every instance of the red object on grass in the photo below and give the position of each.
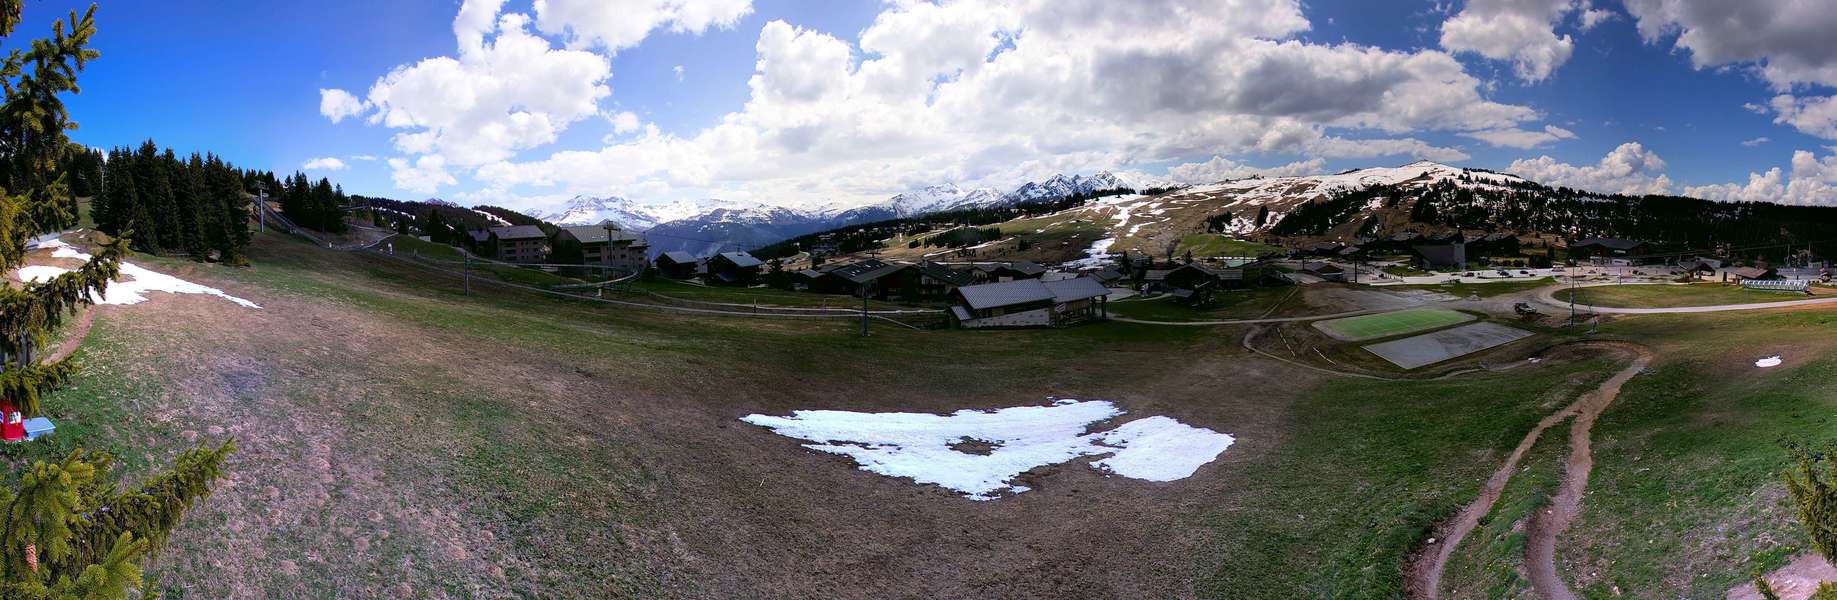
(12, 427)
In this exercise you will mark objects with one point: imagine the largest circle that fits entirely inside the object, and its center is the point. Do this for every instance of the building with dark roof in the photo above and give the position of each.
(1029, 303)
(734, 268)
(1597, 247)
(676, 264)
(1430, 257)
(608, 246)
(521, 243)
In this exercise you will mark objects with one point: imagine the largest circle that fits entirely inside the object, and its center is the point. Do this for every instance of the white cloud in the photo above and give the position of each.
(323, 164)
(1815, 115)
(1786, 41)
(1220, 168)
(678, 70)
(615, 25)
(338, 105)
(982, 92)
(1591, 16)
(363, 157)
(1756, 141)
(1629, 169)
(1336, 147)
(624, 122)
(1521, 31)
(424, 175)
(1812, 181)
(1520, 138)
(988, 92)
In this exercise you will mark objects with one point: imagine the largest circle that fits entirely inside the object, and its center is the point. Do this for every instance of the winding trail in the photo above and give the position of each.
(79, 329)
(1546, 525)
(1422, 579)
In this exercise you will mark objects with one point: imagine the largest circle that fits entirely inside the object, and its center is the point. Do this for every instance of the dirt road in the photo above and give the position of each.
(1546, 525)
(1423, 577)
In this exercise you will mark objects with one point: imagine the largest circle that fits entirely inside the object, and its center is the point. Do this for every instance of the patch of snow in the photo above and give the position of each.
(1161, 449)
(1768, 362)
(919, 445)
(1097, 256)
(130, 291)
(40, 274)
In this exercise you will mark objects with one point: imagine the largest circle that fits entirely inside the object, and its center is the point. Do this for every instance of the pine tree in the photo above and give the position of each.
(64, 531)
(1813, 488)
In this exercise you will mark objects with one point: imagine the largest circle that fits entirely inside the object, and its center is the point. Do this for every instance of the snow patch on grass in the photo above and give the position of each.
(130, 287)
(920, 445)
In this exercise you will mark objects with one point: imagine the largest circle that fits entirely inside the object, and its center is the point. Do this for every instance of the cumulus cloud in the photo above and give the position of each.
(1337, 147)
(1786, 41)
(1521, 31)
(1812, 181)
(1629, 169)
(1816, 115)
(1220, 169)
(615, 25)
(508, 88)
(624, 122)
(953, 91)
(323, 164)
(424, 175)
(1591, 16)
(1520, 138)
(982, 92)
(339, 105)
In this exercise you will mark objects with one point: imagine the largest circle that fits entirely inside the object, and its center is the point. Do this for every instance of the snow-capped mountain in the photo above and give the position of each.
(632, 216)
(709, 225)
(587, 210)
(725, 229)
(1061, 185)
(941, 198)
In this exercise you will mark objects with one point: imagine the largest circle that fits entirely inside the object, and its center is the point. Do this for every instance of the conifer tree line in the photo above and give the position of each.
(194, 205)
(66, 530)
(311, 204)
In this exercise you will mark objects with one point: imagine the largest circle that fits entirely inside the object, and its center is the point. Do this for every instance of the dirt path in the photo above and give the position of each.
(1795, 581)
(1546, 525)
(1423, 578)
(79, 329)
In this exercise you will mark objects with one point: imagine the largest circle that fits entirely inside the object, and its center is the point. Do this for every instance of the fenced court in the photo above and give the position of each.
(1797, 286)
(1371, 327)
(1447, 344)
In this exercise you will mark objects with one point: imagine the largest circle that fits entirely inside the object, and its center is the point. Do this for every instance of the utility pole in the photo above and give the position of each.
(1572, 293)
(468, 274)
(864, 307)
(261, 204)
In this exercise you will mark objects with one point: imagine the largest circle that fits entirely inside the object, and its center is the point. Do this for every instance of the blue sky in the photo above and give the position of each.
(773, 101)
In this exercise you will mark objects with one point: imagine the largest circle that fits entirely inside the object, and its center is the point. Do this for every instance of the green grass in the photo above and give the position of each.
(1404, 271)
(1229, 305)
(1369, 469)
(1371, 327)
(1213, 244)
(1483, 290)
(750, 295)
(1669, 296)
(1686, 497)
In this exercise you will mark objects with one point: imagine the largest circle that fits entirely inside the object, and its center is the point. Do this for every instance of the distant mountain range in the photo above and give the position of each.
(708, 226)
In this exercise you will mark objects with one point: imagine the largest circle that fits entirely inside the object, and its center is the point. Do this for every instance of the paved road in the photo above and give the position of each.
(1548, 297)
